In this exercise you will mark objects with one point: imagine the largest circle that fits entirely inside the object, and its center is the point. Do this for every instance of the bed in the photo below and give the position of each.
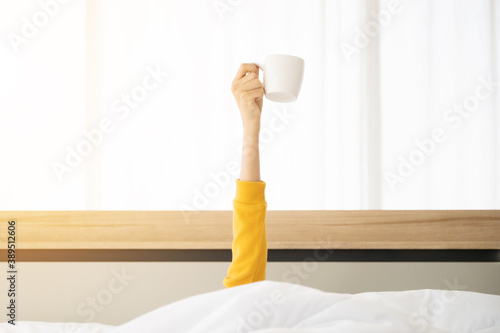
(275, 306)
(269, 306)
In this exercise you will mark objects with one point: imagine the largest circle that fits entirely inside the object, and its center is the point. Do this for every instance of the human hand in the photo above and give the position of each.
(248, 92)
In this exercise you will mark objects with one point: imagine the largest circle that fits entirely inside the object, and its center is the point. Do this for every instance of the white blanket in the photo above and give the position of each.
(271, 307)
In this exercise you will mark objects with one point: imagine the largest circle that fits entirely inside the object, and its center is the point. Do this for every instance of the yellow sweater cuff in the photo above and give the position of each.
(250, 192)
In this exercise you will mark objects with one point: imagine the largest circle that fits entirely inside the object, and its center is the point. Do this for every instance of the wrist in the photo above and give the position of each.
(251, 130)
(250, 143)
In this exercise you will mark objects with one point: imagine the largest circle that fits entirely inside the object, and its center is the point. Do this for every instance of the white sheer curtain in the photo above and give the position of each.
(156, 76)
(42, 108)
(431, 66)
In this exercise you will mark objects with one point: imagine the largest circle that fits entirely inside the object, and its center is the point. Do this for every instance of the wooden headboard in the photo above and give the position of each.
(62, 231)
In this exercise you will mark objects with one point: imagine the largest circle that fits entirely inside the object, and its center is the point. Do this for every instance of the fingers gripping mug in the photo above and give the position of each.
(283, 75)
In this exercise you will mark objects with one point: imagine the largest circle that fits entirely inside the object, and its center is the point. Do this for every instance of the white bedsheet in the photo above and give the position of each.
(270, 306)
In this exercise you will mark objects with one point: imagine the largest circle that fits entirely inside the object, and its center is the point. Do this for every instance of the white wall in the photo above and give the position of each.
(55, 291)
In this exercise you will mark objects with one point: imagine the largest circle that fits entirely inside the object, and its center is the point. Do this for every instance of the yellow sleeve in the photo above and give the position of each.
(249, 247)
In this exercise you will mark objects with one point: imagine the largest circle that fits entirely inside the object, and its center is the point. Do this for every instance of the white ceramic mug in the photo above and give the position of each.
(283, 75)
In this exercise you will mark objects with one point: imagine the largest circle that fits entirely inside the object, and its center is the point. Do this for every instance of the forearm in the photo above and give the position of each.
(250, 162)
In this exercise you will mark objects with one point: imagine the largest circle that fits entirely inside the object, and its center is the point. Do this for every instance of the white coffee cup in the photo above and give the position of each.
(283, 75)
